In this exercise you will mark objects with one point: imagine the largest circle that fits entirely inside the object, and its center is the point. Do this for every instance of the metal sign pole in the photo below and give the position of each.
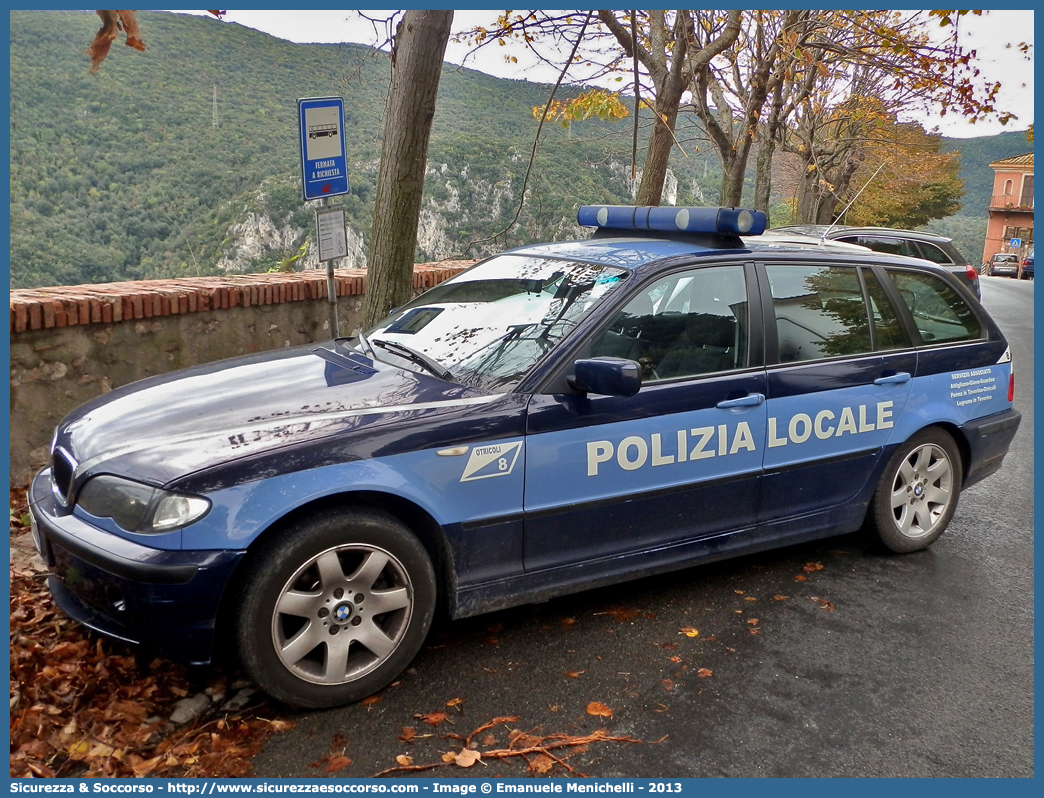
(331, 289)
(324, 174)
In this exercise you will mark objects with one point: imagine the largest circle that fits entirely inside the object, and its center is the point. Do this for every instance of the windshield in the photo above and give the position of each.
(490, 325)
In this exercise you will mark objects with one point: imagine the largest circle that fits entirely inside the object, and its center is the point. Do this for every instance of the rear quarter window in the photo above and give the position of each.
(939, 313)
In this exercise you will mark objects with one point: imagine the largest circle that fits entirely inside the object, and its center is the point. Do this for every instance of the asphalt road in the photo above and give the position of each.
(875, 665)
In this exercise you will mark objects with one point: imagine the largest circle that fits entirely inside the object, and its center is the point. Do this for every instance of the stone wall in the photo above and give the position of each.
(70, 344)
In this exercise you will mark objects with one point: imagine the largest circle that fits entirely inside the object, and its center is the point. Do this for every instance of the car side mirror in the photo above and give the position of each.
(607, 376)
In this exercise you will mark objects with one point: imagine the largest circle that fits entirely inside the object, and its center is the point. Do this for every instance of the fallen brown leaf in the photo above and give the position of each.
(599, 710)
(455, 702)
(823, 604)
(703, 673)
(433, 718)
(541, 764)
(621, 614)
(781, 598)
(467, 757)
(689, 631)
(404, 760)
(800, 578)
(408, 733)
(369, 701)
(811, 567)
(338, 763)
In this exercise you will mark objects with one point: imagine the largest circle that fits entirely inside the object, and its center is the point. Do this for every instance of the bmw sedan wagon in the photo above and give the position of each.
(938, 249)
(675, 390)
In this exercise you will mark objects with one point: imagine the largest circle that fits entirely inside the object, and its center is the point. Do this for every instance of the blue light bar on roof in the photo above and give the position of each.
(720, 221)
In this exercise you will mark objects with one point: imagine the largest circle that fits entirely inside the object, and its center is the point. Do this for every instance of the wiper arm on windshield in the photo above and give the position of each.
(425, 362)
(365, 343)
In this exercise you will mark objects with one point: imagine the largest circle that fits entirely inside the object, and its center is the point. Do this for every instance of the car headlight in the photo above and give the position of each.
(140, 508)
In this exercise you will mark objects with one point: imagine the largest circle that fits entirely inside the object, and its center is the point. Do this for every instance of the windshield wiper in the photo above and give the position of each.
(425, 362)
(364, 342)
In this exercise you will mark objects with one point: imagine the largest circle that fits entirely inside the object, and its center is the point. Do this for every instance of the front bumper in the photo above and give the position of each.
(988, 441)
(165, 599)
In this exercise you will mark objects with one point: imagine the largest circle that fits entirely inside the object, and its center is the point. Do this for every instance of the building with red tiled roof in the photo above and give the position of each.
(1011, 207)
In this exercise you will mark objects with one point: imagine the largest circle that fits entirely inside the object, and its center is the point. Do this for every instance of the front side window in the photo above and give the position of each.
(688, 324)
(819, 311)
(489, 326)
(938, 311)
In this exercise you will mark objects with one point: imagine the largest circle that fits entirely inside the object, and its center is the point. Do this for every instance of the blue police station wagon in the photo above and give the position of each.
(676, 389)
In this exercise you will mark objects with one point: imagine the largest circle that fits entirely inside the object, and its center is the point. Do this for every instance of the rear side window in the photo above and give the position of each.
(819, 311)
(939, 313)
(890, 246)
(931, 252)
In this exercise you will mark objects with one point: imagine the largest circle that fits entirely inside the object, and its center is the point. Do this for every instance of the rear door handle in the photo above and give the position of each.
(895, 379)
(750, 400)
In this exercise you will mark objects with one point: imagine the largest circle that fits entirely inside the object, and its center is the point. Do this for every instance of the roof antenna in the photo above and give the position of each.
(851, 203)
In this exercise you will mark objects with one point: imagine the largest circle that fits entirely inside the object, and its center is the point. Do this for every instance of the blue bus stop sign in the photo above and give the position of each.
(324, 165)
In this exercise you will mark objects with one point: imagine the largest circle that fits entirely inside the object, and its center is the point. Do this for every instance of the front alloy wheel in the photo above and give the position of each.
(342, 613)
(334, 607)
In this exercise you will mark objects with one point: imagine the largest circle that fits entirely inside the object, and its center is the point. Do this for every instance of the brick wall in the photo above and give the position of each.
(70, 344)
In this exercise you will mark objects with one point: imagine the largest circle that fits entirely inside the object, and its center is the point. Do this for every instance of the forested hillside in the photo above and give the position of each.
(131, 173)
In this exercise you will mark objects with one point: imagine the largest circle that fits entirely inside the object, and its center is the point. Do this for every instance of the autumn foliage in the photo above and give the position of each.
(84, 706)
(112, 23)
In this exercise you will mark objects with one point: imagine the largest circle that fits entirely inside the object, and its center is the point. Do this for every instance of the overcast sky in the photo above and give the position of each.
(994, 37)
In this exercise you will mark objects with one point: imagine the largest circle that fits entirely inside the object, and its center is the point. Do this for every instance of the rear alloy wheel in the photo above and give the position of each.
(335, 608)
(917, 494)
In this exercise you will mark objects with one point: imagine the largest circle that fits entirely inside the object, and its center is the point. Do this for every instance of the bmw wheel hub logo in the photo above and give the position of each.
(918, 490)
(343, 612)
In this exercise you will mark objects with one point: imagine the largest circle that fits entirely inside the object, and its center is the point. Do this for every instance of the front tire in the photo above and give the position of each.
(335, 607)
(917, 494)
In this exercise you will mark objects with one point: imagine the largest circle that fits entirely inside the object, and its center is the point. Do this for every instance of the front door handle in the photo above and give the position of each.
(895, 379)
(750, 400)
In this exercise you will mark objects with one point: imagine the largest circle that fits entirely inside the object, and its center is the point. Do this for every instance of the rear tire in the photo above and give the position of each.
(917, 494)
(335, 607)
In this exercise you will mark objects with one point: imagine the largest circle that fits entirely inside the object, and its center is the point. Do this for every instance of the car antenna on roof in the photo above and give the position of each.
(850, 203)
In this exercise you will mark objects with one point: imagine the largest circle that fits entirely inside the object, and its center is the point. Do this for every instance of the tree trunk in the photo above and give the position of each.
(417, 55)
(763, 175)
(766, 149)
(658, 153)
